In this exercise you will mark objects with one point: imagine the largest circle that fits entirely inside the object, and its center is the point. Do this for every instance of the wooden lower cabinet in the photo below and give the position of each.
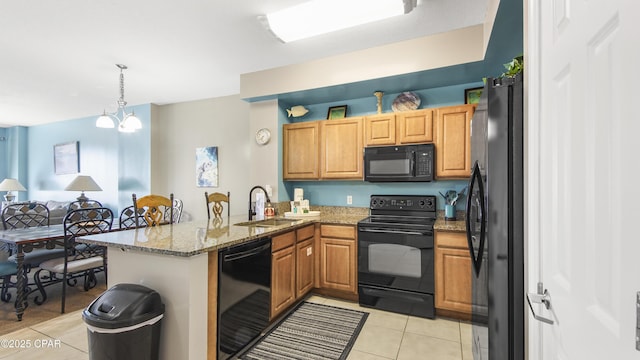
(292, 267)
(453, 273)
(283, 271)
(304, 267)
(338, 258)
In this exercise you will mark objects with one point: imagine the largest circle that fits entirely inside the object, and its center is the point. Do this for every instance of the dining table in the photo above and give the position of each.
(24, 240)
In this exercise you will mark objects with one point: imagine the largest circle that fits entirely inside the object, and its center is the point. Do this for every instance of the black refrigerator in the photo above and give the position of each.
(495, 221)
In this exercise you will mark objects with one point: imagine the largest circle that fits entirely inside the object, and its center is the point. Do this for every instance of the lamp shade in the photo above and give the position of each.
(11, 185)
(83, 183)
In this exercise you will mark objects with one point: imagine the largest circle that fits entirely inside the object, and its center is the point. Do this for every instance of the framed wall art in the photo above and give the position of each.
(337, 112)
(66, 158)
(207, 166)
(472, 96)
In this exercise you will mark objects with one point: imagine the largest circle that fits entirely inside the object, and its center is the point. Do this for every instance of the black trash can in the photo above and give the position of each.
(124, 323)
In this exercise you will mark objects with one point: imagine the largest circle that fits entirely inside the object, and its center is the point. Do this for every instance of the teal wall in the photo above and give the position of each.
(13, 155)
(334, 193)
(118, 162)
(437, 87)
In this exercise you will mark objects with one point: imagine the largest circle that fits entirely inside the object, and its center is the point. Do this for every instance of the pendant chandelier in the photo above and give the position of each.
(127, 122)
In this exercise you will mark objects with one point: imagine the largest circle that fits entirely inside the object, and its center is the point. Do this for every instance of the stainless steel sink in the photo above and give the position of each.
(268, 222)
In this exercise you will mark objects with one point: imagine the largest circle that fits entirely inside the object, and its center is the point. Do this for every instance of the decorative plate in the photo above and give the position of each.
(406, 101)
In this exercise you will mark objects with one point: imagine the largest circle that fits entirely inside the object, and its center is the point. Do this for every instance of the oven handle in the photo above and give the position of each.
(423, 233)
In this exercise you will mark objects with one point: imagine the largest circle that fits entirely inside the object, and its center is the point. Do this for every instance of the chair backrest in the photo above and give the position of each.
(214, 204)
(84, 222)
(25, 214)
(177, 211)
(128, 219)
(75, 205)
(155, 207)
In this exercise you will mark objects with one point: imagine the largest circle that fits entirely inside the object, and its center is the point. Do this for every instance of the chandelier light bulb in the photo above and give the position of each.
(127, 122)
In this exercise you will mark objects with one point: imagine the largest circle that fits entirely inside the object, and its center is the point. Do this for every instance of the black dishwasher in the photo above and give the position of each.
(244, 294)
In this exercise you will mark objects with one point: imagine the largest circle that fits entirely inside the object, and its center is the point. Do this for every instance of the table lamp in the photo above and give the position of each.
(83, 183)
(10, 185)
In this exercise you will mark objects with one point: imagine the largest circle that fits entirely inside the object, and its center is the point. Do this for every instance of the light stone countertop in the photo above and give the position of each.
(197, 237)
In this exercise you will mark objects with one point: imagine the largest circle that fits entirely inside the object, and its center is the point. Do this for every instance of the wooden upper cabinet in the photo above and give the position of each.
(300, 150)
(415, 126)
(380, 130)
(453, 141)
(341, 147)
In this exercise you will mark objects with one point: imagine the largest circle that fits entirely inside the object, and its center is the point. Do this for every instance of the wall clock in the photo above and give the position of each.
(263, 136)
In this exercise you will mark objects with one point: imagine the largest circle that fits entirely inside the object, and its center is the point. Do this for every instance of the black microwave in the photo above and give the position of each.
(399, 163)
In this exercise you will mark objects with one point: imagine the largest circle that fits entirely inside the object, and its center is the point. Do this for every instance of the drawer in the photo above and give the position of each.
(305, 232)
(338, 231)
(282, 241)
(451, 239)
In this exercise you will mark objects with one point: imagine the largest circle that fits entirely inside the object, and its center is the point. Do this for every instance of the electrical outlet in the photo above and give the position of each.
(349, 199)
(269, 190)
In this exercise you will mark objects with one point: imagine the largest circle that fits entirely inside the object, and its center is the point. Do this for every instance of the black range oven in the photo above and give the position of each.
(395, 254)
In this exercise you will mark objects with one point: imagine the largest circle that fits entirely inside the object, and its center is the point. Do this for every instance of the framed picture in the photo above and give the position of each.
(337, 112)
(472, 96)
(207, 166)
(66, 159)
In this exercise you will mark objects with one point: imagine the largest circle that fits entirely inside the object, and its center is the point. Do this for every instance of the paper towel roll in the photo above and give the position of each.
(260, 199)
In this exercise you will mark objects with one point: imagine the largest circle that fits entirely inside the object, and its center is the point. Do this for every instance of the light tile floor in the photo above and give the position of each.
(384, 336)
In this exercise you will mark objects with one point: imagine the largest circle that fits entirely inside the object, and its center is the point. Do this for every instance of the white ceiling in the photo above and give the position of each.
(57, 58)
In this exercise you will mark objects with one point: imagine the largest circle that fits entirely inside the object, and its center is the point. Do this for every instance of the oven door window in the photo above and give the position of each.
(395, 260)
(390, 167)
(400, 260)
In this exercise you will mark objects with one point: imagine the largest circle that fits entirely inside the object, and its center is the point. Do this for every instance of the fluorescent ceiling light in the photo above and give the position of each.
(317, 17)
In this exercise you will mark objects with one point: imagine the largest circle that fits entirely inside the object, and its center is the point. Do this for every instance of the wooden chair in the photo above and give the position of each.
(214, 204)
(80, 260)
(154, 208)
(29, 214)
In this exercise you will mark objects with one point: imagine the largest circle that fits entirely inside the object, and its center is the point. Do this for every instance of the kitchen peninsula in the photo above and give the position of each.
(180, 261)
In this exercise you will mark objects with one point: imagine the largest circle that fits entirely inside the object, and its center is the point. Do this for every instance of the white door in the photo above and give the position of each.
(583, 180)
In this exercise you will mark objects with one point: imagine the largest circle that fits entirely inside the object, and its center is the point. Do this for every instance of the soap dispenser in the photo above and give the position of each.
(269, 210)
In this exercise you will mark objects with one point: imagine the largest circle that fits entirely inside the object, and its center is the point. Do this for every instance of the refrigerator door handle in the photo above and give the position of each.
(476, 180)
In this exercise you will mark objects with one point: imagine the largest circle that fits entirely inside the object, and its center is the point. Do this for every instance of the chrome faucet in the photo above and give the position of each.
(252, 211)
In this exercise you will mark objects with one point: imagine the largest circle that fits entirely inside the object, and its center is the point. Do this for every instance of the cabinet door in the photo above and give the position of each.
(415, 126)
(341, 147)
(453, 280)
(380, 130)
(300, 151)
(338, 264)
(283, 269)
(304, 267)
(453, 272)
(453, 141)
